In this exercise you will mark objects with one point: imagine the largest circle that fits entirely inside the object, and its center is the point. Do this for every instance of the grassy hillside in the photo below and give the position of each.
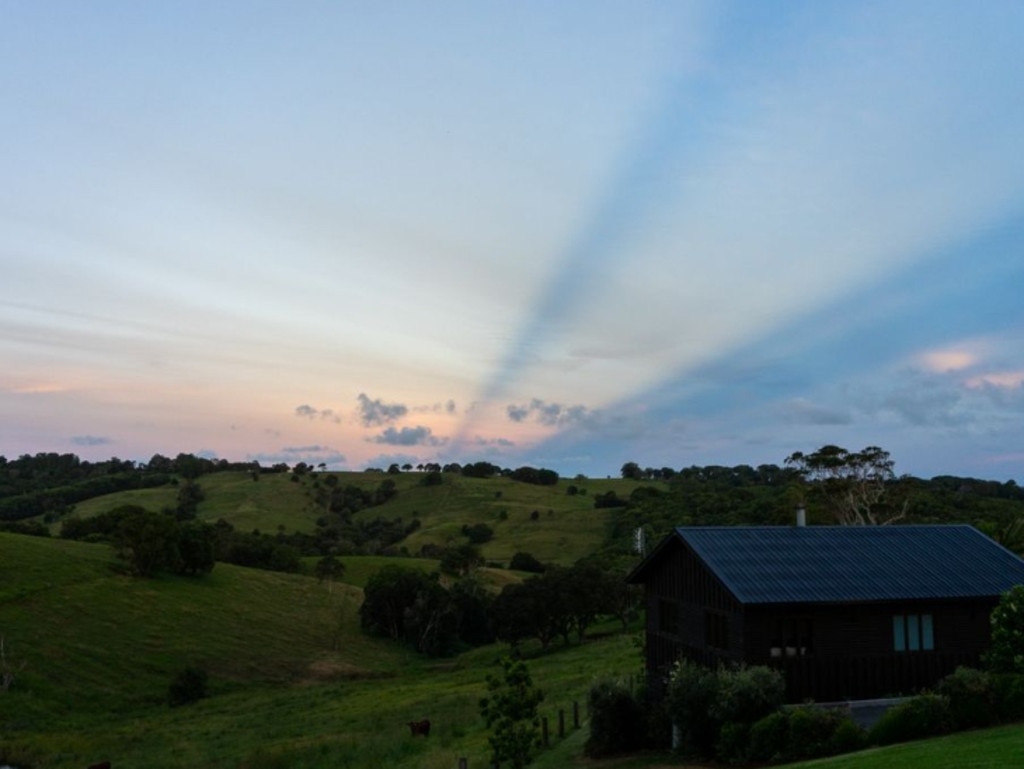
(294, 681)
(92, 637)
(564, 529)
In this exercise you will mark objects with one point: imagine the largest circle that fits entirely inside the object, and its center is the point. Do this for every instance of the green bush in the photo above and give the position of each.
(657, 723)
(1008, 691)
(733, 744)
(848, 738)
(926, 715)
(804, 732)
(617, 720)
(748, 694)
(188, 686)
(811, 731)
(1006, 654)
(692, 691)
(769, 738)
(972, 701)
(703, 701)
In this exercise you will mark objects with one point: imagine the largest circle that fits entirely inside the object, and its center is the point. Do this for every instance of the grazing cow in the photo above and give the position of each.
(101, 765)
(420, 727)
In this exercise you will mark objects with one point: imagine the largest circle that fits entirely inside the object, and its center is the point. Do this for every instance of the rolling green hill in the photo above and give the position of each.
(545, 521)
(293, 680)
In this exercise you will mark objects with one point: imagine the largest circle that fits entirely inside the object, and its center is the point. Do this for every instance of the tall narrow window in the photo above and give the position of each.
(927, 633)
(913, 633)
(899, 633)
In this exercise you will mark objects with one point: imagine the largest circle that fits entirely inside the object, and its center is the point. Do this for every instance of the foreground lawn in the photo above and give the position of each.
(998, 748)
(984, 749)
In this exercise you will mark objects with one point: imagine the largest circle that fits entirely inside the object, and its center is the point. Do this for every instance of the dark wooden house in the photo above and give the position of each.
(846, 612)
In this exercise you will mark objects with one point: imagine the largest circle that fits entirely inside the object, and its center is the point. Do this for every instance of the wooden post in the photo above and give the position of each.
(463, 763)
(575, 714)
(561, 723)
(544, 730)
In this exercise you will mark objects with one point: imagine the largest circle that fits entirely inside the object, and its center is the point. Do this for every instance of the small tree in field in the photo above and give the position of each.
(1006, 654)
(510, 711)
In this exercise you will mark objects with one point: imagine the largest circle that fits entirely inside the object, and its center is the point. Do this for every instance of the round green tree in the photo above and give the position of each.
(1006, 654)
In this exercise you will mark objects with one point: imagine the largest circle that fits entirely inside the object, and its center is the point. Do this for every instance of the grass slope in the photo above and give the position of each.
(294, 681)
(93, 639)
(565, 527)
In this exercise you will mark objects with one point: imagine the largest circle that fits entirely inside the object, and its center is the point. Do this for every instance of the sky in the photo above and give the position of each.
(567, 235)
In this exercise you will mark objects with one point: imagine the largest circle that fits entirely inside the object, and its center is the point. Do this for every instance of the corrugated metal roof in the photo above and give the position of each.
(841, 564)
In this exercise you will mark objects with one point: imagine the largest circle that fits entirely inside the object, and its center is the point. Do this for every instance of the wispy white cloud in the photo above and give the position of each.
(91, 440)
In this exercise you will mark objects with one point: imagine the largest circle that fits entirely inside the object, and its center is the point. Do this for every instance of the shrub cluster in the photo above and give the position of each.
(800, 733)
(965, 699)
(926, 715)
(617, 720)
(736, 715)
(714, 710)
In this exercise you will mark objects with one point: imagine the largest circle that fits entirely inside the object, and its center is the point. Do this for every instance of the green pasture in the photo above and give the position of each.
(564, 529)
(294, 682)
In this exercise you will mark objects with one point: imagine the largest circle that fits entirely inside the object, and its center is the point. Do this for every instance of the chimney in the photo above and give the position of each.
(801, 516)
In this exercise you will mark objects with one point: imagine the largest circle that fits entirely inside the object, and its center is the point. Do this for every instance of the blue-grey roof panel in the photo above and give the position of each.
(838, 564)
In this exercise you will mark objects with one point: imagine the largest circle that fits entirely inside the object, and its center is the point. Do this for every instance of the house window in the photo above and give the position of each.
(716, 630)
(913, 632)
(668, 617)
(794, 637)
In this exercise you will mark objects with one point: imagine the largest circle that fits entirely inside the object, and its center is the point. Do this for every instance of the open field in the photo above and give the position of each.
(565, 527)
(294, 682)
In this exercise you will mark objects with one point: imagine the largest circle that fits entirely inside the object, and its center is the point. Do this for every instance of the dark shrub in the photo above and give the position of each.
(733, 745)
(187, 687)
(1008, 690)
(748, 694)
(692, 691)
(810, 732)
(804, 732)
(848, 737)
(745, 695)
(702, 702)
(617, 720)
(526, 562)
(769, 736)
(657, 723)
(972, 701)
(432, 479)
(1006, 653)
(478, 533)
(926, 715)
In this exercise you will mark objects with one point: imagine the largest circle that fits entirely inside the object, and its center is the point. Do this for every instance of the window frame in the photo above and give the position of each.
(913, 632)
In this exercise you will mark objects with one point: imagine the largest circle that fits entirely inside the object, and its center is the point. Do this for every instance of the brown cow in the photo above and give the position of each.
(420, 727)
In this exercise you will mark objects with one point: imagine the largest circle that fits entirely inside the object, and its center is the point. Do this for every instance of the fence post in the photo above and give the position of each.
(575, 714)
(544, 730)
(561, 723)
